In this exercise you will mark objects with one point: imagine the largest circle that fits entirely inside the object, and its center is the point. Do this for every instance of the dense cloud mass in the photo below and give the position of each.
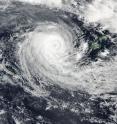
(103, 12)
(58, 62)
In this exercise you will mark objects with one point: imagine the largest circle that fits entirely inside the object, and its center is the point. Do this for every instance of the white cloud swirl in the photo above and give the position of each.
(48, 52)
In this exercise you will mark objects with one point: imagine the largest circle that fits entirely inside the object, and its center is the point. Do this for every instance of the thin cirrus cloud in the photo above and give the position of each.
(57, 3)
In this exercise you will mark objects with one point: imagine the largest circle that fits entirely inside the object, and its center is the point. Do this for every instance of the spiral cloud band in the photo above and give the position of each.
(49, 53)
(58, 61)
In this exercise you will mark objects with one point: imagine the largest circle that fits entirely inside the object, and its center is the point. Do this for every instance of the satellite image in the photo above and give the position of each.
(58, 61)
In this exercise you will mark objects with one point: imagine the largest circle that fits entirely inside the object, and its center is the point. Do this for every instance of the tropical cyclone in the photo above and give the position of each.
(49, 52)
(55, 50)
